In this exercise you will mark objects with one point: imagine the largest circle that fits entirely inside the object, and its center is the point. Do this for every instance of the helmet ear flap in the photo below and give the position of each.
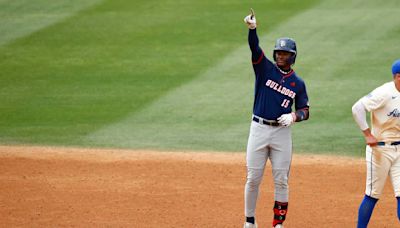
(293, 59)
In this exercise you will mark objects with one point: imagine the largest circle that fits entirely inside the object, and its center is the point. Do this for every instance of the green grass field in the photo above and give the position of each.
(176, 75)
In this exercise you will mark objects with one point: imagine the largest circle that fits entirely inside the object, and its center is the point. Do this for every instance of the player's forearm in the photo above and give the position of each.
(367, 132)
(256, 51)
(253, 40)
(302, 114)
(360, 115)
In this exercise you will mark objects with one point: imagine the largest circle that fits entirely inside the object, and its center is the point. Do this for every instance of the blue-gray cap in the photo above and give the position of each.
(396, 67)
(288, 45)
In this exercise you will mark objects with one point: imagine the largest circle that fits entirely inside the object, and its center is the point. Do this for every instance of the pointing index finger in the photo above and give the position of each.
(252, 13)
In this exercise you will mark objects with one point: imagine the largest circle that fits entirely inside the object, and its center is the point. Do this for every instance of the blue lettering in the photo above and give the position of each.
(394, 113)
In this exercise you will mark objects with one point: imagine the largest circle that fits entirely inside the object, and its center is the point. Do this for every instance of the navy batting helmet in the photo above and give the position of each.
(288, 45)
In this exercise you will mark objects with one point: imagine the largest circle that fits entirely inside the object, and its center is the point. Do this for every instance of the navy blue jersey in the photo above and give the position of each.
(275, 92)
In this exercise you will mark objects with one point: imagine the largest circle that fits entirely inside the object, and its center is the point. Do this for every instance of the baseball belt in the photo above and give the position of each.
(388, 143)
(266, 122)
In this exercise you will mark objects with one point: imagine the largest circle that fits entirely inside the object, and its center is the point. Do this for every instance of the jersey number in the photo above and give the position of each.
(285, 103)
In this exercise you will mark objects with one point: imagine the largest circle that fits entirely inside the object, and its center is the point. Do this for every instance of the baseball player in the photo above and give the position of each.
(383, 142)
(277, 88)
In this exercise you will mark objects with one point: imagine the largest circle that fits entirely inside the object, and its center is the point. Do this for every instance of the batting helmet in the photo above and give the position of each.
(288, 45)
(396, 67)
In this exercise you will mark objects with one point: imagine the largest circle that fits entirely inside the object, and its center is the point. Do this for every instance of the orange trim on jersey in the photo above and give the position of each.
(259, 59)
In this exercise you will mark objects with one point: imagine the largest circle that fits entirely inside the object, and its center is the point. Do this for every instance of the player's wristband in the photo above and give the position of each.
(301, 114)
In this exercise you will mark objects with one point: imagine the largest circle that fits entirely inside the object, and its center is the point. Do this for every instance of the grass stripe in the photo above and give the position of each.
(196, 115)
(346, 58)
(336, 51)
(211, 112)
(107, 62)
(176, 74)
(23, 17)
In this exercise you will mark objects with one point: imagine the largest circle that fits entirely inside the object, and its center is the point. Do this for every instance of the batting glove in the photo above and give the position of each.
(287, 119)
(250, 20)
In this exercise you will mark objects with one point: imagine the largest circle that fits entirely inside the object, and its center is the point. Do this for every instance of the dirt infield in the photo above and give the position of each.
(65, 187)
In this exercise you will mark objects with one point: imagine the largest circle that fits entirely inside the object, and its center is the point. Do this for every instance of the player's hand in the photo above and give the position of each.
(371, 140)
(286, 119)
(250, 20)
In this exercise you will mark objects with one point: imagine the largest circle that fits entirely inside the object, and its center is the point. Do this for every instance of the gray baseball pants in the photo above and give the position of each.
(267, 142)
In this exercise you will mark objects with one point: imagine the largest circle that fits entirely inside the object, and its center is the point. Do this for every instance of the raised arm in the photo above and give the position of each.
(254, 43)
(256, 51)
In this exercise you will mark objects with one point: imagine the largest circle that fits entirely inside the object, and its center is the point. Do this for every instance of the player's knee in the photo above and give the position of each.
(254, 177)
(253, 182)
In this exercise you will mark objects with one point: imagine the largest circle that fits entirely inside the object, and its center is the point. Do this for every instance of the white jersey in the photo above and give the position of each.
(384, 105)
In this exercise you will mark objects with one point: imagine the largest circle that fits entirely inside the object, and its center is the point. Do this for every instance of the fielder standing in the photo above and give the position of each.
(383, 142)
(277, 88)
